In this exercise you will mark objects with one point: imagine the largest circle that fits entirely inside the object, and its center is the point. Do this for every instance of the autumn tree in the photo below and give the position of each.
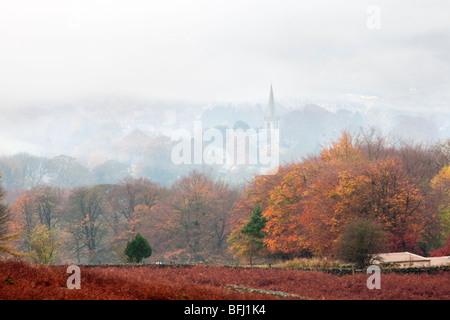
(23, 218)
(41, 205)
(44, 244)
(257, 193)
(5, 235)
(189, 213)
(301, 209)
(312, 201)
(343, 148)
(46, 204)
(420, 163)
(196, 216)
(382, 190)
(130, 205)
(4, 218)
(85, 220)
(131, 192)
(287, 229)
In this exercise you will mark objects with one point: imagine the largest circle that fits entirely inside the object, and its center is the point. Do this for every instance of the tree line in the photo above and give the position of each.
(402, 188)
(91, 224)
(152, 160)
(302, 210)
(24, 171)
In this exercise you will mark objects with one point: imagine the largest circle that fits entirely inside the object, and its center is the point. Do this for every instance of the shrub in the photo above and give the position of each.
(137, 249)
(361, 241)
(44, 245)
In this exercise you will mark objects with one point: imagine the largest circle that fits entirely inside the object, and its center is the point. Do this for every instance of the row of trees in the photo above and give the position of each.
(146, 157)
(25, 171)
(402, 190)
(187, 222)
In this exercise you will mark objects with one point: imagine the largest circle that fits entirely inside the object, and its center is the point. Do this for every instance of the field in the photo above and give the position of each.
(20, 280)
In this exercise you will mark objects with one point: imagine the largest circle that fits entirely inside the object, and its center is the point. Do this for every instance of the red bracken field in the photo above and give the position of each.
(20, 280)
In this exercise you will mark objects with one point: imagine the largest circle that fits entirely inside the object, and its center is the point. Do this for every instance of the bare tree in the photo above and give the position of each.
(197, 215)
(131, 192)
(86, 216)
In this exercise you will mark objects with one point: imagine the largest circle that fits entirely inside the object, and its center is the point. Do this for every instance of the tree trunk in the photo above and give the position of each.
(250, 253)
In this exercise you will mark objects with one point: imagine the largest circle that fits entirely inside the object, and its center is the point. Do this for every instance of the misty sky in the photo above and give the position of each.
(222, 50)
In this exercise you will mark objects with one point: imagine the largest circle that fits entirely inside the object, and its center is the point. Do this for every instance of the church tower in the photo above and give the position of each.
(271, 120)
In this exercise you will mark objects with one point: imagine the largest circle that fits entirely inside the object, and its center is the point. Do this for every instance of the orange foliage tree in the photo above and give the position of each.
(130, 203)
(41, 205)
(194, 215)
(256, 194)
(309, 203)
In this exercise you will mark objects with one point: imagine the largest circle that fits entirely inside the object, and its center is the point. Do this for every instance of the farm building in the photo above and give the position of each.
(407, 259)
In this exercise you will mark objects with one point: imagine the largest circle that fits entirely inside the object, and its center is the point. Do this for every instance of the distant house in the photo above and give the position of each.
(407, 259)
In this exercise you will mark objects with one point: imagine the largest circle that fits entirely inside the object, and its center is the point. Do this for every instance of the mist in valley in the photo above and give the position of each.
(101, 86)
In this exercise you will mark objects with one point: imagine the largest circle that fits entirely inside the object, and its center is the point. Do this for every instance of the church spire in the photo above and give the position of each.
(271, 120)
(271, 107)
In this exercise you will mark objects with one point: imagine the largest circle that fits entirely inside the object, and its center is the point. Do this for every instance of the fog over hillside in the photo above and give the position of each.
(106, 83)
(124, 136)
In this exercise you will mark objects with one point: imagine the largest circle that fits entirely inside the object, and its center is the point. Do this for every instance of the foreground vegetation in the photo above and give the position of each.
(20, 280)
